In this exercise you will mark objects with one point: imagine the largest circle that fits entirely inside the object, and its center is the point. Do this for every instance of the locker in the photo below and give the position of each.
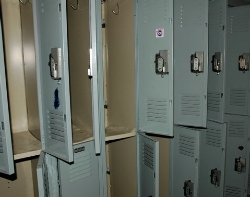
(237, 155)
(59, 178)
(238, 49)
(217, 29)
(190, 62)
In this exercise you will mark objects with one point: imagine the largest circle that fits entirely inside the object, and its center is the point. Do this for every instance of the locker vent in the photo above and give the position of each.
(232, 191)
(191, 105)
(240, 22)
(237, 129)
(238, 97)
(157, 110)
(248, 181)
(1, 143)
(186, 145)
(213, 102)
(81, 168)
(46, 181)
(154, 10)
(214, 14)
(148, 156)
(191, 13)
(56, 126)
(213, 137)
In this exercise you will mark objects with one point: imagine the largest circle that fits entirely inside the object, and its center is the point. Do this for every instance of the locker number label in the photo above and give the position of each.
(159, 33)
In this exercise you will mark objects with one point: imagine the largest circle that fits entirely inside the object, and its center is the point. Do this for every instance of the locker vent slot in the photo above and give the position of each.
(213, 137)
(157, 110)
(240, 22)
(186, 145)
(154, 10)
(238, 97)
(56, 126)
(214, 14)
(213, 102)
(232, 191)
(148, 156)
(46, 181)
(249, 181)
(237, 129)
(191, 105)
(191, 13)
(82, 167)
(1, 143)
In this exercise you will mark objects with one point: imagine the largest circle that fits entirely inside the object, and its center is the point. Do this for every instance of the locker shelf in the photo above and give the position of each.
(115, 133)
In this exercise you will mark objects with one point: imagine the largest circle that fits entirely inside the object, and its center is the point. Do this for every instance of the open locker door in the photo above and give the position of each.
(147, 166)
(190, 62)
(154, 65)
(6, 152)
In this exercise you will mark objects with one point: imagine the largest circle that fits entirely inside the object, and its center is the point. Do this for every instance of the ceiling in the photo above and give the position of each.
(238, 2)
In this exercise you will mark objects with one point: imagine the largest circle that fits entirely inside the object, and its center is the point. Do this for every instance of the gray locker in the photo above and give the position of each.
(154, 66)
(147, 165)
(6, 152)
(217, 61)
(237, 156)
(56, 178)
(238, 51)
(190, 62)
(51, 45)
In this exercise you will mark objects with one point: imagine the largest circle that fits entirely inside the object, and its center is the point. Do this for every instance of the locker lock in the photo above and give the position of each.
(161, 62)
(215, 177)
(240, 165)
(55, 63)
(197, 62)
(188, 189)
(244, 61)
(217, 62)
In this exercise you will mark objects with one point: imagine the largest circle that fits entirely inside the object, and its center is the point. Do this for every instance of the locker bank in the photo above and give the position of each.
(113, 98)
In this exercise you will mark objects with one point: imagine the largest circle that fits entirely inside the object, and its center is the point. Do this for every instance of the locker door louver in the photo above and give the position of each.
(238, 97)
(240, 22)
(46, 181)
(157, 110)
(148, 156)
(186, 145)
(249, 181)
(213, 102)
(231, 191)
(1, 142)
(82, 167)
(191, 105)
(214, 15)
(237, 129)
(213, 137)
(56, 126)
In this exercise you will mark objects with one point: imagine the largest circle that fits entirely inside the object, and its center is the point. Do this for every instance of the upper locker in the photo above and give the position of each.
(216, 60)
(154, 66)
(191, 62)
(6, 152)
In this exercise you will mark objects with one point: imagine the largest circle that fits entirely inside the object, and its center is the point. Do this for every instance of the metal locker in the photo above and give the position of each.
(147, 166)
(237, 156)
(51, 45)
(238, 60)
(59, 178)
(6, 152)
(217, 61)
(154, 65)
(190, 62)
(212, 160)
(185, 162)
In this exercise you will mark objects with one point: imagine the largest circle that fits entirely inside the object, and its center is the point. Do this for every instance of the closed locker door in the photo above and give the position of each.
(80, 178)
(154, 66)
(238, 50)
(237, 157)
(6, 152)
(147, 166)
(190, 62)
(185, 162)
(216, 60)
(212, 160)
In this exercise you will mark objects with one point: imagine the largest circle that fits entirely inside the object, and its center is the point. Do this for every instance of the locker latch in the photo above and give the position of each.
(161, 62)
(244, 61)
(197, 62)
(55, 63)
(217, 62)
(240, 165)
(215, 177)
(188, 189)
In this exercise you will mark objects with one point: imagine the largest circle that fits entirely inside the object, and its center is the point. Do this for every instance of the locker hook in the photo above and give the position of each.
(75, 8)
(24, 3)
(118, 10)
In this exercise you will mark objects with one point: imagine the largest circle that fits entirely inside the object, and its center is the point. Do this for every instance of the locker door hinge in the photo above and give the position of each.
(2, 124)
(197, 62)
(217, 62)
(106, 104)
(90, 64)
(103, 23)
(240, 165)
(244, 61)
(108, 170)
(188, 189)
(215, 177)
